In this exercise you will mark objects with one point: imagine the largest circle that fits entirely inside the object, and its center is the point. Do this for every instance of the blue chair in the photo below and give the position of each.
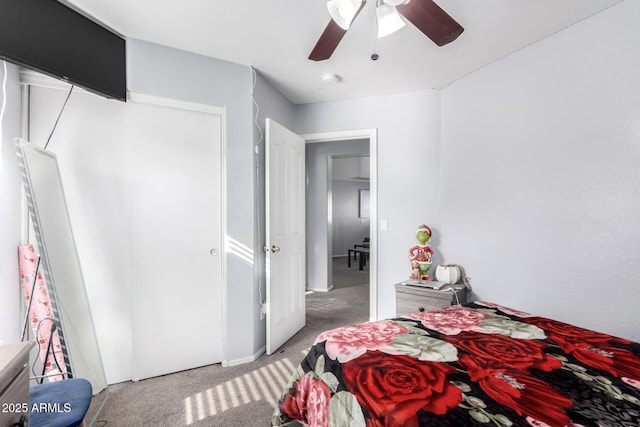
(61, 403)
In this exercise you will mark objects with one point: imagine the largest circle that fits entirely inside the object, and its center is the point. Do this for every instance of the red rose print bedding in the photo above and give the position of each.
(478, 364)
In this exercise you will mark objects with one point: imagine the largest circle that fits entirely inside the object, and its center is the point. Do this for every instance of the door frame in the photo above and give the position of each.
(372, 136)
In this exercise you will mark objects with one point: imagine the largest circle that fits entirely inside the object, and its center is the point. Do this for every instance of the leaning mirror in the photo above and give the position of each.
(61, 267)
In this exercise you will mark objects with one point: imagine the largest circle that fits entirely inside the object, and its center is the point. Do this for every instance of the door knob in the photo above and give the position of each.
(213, 252)
(275, 249)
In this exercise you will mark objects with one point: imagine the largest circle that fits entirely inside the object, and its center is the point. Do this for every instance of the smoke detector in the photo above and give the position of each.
(331, 78)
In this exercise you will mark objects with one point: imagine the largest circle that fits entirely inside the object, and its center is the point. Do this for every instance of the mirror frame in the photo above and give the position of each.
(61, 266)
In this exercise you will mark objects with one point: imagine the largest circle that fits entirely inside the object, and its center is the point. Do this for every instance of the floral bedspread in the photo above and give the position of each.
(478, 364)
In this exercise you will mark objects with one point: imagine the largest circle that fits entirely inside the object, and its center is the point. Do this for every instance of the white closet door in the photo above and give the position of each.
(176, 238)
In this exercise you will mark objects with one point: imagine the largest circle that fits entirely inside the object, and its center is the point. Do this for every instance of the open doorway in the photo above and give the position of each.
(311, 253)
(348, 199)
(338, 174)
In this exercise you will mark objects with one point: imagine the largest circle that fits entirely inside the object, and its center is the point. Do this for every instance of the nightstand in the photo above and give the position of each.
(412, 299)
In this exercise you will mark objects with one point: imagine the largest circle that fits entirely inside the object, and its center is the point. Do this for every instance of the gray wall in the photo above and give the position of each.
(408, 171)
(249, 99)
(347, 227)
(541, 182)
(319, 270)
(268, 103)
(161, 71)
(527, 173)
(10, 210)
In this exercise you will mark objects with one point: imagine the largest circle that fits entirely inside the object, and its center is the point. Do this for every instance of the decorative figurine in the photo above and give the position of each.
(420, 255)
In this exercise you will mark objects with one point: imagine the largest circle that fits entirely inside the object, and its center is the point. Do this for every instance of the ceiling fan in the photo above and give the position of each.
(427, 16)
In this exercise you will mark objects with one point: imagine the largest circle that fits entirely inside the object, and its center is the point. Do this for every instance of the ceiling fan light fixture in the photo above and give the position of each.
(331, 78)
(389, 20)
(343, 11)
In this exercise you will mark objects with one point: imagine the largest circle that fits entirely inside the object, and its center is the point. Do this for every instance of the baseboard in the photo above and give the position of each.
(330, 288)
(242, 361)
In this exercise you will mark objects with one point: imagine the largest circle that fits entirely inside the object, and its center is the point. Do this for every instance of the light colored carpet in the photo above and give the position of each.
(244, 395)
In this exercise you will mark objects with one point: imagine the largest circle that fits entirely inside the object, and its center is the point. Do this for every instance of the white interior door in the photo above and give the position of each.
(176, 239)
(285, 234)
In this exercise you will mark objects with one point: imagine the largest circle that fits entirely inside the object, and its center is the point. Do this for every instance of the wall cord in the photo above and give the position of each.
(55, 125)
(257, 175)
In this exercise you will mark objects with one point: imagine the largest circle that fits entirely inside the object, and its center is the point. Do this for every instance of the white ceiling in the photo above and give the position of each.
(276, 37)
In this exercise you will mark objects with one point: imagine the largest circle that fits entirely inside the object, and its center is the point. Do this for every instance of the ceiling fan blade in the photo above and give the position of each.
(328, 42)
(330, 39)
(434, 22)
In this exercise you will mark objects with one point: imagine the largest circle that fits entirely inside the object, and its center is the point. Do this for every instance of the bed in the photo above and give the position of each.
(476, 364)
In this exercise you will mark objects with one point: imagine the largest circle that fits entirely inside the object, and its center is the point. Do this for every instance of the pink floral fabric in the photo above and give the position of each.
(451, 320)
(349, 342)
(480, 364)
(40, 313)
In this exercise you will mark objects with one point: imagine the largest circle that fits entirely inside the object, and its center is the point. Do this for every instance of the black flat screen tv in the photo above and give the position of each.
(50, 37)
